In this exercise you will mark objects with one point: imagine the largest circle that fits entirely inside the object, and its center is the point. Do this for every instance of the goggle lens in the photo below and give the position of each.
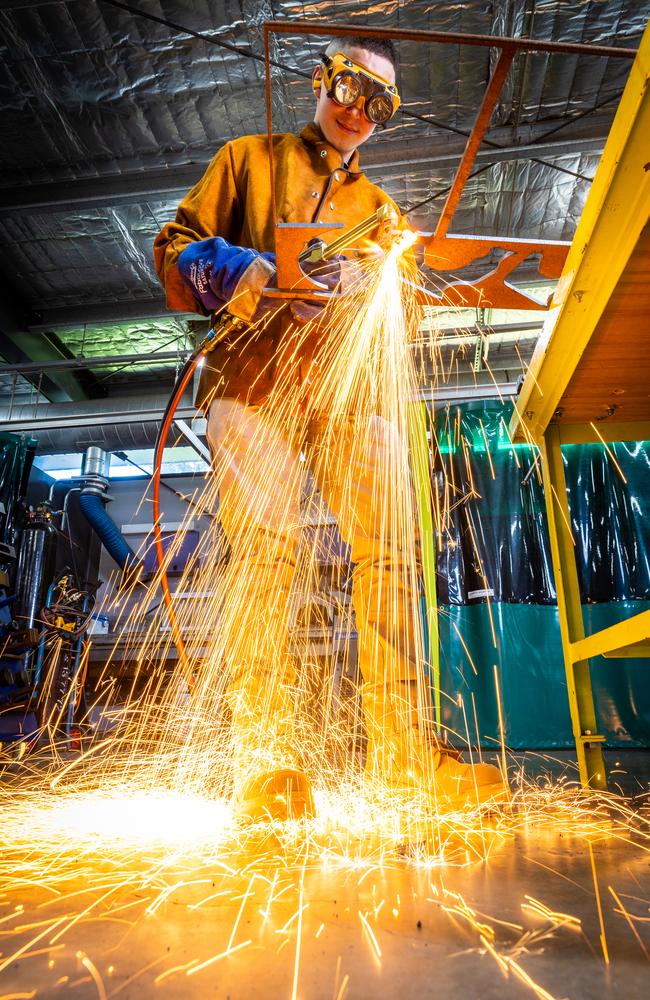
(347, 89)
(379, 108)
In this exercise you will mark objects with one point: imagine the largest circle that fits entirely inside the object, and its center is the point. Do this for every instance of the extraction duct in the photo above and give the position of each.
(70, 440)
(126, 422)
(93, 497)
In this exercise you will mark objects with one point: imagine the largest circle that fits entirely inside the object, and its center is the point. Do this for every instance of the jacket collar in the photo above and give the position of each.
(312, 136)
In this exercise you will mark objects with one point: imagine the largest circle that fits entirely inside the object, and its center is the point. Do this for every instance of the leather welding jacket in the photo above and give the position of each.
(233, 201)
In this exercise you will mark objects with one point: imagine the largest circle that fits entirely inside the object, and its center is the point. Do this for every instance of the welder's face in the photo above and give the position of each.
(346, 128)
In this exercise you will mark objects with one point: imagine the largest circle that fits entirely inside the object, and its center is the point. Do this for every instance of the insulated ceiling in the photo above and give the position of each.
(108, 117)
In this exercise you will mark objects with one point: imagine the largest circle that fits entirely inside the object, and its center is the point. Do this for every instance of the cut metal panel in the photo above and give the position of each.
(493, 286)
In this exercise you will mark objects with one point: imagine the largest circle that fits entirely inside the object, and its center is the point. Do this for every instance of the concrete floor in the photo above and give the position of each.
(300, 926)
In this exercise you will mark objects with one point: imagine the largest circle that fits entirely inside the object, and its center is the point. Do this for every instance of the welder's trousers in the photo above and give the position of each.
(361, 470)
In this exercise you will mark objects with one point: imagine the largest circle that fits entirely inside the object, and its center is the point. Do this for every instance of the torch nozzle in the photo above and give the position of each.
(319, 250)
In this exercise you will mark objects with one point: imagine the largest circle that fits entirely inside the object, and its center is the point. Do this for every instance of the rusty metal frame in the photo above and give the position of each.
(452, 251)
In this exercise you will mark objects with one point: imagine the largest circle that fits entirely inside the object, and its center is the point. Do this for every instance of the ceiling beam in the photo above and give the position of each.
(25, 4)
(98, 314)
(57, 386)
(458, 393)
(485, 155)
(194, 440)
(126, 411)
(103, 361)
(87, 383)
(105, 191)
(440, 150)
(132, 310)
(20, 345)
(11, 353)
(498, 333)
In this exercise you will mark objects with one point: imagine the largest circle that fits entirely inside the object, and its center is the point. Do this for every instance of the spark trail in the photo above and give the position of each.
(142, 821)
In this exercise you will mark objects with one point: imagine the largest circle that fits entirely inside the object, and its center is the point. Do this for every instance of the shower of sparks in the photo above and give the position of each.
(145, 817)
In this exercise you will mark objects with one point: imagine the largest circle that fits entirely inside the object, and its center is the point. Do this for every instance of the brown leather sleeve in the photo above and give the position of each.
(211, 208)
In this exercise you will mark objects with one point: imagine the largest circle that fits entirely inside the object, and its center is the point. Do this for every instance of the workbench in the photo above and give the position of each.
(589, 381)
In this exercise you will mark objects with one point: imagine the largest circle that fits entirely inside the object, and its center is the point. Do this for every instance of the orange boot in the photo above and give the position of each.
(268, 786)
(276, 795)
(412, 756)
(460, 784)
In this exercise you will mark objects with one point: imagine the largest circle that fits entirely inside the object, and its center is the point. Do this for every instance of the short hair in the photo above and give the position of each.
(379, 46)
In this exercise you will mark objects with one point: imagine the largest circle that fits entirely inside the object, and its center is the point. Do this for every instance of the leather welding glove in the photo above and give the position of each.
(338, 274)
(219, 274)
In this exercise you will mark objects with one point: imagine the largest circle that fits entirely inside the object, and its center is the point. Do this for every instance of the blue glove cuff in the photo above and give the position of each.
(213, 268)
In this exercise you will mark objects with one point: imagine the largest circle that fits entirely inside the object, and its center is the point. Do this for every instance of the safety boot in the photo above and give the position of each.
(412, 757)
(276, 796)
(441, 774)
(267, 784)
(459, 784)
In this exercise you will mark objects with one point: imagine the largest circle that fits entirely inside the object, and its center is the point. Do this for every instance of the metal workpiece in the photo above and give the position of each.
(450, 254)
(298, 244)
(493, 285)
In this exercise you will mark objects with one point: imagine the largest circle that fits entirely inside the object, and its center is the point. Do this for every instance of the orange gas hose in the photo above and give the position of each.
(223, 325)
(182, 382)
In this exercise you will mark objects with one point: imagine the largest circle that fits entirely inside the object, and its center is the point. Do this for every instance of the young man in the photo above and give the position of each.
(219, 253)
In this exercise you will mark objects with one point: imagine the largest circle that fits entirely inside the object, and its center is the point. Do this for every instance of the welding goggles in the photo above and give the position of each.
(345, 82)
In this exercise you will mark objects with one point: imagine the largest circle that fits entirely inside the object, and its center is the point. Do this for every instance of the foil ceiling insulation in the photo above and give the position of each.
(89, 92)
(17, 390)
(163, 336)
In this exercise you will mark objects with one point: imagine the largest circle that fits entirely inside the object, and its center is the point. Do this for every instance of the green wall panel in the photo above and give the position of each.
(528, 655)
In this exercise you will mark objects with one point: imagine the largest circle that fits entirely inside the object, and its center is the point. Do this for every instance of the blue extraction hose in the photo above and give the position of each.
(92, 507)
